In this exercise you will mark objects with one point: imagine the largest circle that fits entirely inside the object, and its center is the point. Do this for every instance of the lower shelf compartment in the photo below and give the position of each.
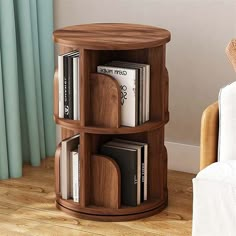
(125, 213)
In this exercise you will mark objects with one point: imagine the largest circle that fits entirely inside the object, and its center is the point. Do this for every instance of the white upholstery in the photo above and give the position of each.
(214, 200)
(227, 123)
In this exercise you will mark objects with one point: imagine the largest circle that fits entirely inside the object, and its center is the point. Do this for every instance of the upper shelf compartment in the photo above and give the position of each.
(110, 36)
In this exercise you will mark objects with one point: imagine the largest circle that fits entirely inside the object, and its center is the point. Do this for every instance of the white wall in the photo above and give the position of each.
(196, 60)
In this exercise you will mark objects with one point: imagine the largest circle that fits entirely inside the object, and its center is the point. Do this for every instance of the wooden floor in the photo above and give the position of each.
(27, 208)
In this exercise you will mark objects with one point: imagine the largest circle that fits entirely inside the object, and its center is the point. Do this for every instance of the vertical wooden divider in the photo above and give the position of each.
(155, 141)
(85, 150)
(156, 61)
(100, 175)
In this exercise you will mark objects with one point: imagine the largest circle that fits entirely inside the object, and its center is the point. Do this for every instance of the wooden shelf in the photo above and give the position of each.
(100, 118)
(75, 125)
(107, 36)
(108, 214)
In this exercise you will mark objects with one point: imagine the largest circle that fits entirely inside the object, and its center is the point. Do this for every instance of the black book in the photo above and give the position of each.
(65, 82)
(68, 83)
(142, 174)
(126, 158)
(144, 164)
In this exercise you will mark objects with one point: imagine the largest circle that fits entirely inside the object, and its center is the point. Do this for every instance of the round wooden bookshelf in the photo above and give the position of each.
(99, 44)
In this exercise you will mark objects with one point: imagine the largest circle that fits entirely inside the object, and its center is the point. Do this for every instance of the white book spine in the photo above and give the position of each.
(127, 79)
(75, 88)
(64, 168)
(147, 92)
(76, 175)
(144, 93)
(60, 86)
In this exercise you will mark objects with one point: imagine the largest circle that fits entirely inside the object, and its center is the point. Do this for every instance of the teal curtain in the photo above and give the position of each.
(27, 130)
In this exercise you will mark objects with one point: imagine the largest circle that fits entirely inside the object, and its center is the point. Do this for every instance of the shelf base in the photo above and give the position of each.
(81, 213)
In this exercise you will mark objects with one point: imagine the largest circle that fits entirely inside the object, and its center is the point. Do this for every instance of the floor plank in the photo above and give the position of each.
(27, 207)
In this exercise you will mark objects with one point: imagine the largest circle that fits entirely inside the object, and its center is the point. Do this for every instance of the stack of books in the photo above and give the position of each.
(132, 158)
(68, 83)
(133, 78)
(134, 81)
(70, 168)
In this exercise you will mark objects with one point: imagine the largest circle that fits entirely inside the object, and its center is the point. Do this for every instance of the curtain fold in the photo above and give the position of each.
(26, 84)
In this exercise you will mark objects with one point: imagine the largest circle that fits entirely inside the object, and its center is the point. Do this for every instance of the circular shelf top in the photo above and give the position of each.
(111, 36)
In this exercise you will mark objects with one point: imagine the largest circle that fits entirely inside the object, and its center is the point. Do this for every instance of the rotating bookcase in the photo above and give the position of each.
(99, 122)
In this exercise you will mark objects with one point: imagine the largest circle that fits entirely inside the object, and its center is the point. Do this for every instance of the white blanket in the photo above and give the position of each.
(214, 205)
(227, 123)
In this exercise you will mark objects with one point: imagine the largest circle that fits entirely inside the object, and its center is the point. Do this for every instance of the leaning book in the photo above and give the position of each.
(128, 81)
(67, 146)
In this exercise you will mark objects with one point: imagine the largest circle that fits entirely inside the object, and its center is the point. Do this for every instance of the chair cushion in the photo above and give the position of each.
(214, 200)
(227, 123)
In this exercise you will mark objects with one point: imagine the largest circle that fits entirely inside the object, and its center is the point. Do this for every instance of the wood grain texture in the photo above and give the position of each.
(66, 133)
(57, 170)
(56, 92)
(76, 126)
(156, 164)
(111, 36)
(156, 59)
(105, 182)
(166, 95)
(105, 96)
(124, 211)
(209, 135)
(27, 207)
(85, 169)
(99, 44)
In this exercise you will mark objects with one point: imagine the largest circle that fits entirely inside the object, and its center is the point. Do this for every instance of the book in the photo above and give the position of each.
(67, 83)
(128, 81)
(141, 85)
(75, 172)
(126, 158)
(60, 87)
(76, 88)
(71, 87)
(146, 86)
(67, 146)
(61, 83)
(138, 148)
(144, 161)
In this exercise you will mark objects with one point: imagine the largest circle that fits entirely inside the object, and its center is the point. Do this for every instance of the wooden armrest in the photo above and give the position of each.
(209, 135)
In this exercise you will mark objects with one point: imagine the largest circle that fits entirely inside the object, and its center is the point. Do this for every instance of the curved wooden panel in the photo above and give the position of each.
(123, 210)
(57, 169)
(111, 36)
(166, 95)
(209, 135)
(105, 182)
(104, 101)
(56, 91)
(107, 214)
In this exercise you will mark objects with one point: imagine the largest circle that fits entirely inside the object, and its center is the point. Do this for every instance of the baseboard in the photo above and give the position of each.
(183, 157)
